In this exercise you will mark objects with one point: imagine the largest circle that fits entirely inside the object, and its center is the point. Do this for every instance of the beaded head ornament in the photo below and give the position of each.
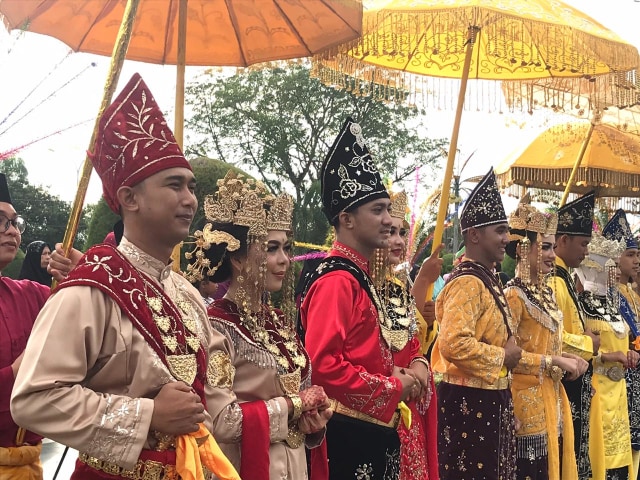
(598, 270)
(238, 201)
(524, 219)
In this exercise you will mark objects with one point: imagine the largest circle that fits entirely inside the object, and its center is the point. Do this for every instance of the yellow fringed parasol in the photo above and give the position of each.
(184, 32)
(610, 165)
(479, 39)
(613, 100)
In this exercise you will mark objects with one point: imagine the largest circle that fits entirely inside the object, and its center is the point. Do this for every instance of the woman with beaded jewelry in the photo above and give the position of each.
(600, 301)
(418, 437)
(544, 424)
(618, 229)
(266, 408)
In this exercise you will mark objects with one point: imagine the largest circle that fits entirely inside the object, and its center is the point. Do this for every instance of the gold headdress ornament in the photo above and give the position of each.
(399, 205)
(530, 219)
(238, 201)
(527, 218)
(605, 247)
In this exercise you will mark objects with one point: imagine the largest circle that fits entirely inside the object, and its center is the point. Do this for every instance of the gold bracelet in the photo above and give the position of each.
(296, 401)
(548, 362)
(421, 360)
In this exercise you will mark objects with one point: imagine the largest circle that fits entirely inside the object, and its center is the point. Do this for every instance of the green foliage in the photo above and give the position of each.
(102, 222)
(13, 269)
(280, 123)
(46, 214)
(508, 266)
(447, 262)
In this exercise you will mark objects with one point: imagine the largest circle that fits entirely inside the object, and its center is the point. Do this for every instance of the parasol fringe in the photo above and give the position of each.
(530, 48)
(580, 97)
(609, 183)
(544, 195)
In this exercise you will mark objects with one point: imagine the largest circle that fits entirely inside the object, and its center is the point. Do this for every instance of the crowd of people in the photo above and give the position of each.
(153, 374)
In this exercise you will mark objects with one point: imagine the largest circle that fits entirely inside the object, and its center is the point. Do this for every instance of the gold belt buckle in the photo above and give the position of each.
(615, 373)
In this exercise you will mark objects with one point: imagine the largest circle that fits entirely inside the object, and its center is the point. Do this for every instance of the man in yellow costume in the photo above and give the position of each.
(476, 350)
(572, 246)
(618, 229)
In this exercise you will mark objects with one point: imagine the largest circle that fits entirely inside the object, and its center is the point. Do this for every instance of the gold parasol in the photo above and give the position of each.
(612, 100)
(610, 165)
(185, 32)
(480, 39)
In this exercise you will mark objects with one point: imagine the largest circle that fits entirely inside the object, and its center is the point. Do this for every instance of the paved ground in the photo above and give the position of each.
(51, 456)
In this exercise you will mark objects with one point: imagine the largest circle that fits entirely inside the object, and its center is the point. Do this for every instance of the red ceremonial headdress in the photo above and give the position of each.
(133, 141)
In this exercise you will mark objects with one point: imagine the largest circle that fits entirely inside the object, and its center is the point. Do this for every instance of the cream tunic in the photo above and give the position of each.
(91, 376)
(256, 378)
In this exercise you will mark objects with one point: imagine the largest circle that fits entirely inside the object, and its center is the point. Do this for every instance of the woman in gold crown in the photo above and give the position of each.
(601, 303)
(266, 408)
(406, 333)
(544, 426)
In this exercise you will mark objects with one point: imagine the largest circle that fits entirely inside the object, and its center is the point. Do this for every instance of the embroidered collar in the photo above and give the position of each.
(145, 262)
(340, 249)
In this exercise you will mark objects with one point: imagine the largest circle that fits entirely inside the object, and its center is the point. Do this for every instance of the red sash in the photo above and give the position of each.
(105, 268)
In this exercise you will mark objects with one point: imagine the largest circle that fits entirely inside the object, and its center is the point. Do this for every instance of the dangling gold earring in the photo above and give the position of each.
(525, 267)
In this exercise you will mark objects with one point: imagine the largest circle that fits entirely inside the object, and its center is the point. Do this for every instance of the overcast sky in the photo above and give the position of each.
(55, 162)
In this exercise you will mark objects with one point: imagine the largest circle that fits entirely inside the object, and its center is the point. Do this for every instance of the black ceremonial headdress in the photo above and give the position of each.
(349, 177)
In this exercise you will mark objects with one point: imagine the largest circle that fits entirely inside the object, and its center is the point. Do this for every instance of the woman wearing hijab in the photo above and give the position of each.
(34, 266)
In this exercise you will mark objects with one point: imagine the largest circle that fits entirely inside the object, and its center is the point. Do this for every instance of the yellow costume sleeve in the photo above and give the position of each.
(573, 338)
(472, 330)
(530, 363)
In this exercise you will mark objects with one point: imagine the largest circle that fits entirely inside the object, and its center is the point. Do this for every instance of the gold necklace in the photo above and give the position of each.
(363, 264)
(256, 324)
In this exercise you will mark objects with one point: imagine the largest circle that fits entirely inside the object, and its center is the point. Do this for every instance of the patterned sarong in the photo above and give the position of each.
(476, 438)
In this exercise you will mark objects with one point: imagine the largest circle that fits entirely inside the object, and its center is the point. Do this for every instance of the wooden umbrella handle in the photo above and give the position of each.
(576, 165)
(115, 67)
(453, 147)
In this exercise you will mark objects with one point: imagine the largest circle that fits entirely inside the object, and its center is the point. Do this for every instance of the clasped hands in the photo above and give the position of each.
(415, 380)
(315, 410)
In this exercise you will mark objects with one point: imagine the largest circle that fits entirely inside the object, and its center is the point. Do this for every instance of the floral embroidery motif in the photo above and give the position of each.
(348, 187)
(118, 424)
(220, 371)
(364, 472)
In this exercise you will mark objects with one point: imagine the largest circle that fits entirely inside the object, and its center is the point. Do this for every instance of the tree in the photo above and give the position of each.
(102, 222)
(280, 123)
(46, 214)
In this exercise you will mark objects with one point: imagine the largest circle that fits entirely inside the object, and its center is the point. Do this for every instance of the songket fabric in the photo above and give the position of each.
(354, 364)
(578, 391)
(540, 402)
(475, 406)
(96, 372)
(612, 389)
(253, 377)
(418, 442)
(632, 375)
(20, 302)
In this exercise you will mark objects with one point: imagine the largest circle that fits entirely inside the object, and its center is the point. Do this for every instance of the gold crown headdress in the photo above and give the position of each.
(399, 205)
(606, 247)
(527, 218)
(238, 201)
(530, 219)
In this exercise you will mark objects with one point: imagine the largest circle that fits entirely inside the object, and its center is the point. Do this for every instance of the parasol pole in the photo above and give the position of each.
(115, 67)
(178, 126)
(453, 147)
(574, 170)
